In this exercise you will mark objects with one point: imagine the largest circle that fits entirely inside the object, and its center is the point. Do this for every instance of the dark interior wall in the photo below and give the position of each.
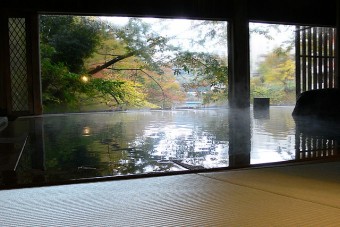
(284, 11)
(151, 8)
(319, 12)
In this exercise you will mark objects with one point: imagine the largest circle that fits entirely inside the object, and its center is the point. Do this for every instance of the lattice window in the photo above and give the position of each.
(18, 63)
(315, 58)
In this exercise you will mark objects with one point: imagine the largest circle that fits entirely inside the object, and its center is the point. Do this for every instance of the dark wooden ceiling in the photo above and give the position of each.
(283, 11)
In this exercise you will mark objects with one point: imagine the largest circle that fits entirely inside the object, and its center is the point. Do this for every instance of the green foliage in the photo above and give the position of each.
(209, 72)
(138, 37)
(70, 45)
(58, 84)
(73, 38)
(207, 69)
(105, 87)
(66, 41)
(278, 67)
(277, 77)
(214, 33)
(277, 95)
(217, 97)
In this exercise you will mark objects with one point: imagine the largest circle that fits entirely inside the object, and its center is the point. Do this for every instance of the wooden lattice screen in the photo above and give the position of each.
(315, 58)
(21, 67)
(18, 64)
(315, 69)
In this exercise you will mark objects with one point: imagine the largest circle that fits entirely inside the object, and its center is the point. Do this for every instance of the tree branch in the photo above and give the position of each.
(111, 62)
(121, 57)
(155, 82)
(163, 93)
(113, 55)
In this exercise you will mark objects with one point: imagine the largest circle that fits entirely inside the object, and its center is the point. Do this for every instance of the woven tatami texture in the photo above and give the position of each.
(317, 183)
(181, 200)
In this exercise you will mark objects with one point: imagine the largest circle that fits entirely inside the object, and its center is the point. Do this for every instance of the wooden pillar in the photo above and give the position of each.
(297, 62)
(337, 47)
(3, 63)
(2, 86)
(239, 63)
(38, 143)
(239, 86)
(239, 137)
(38, 152)
(34, 61)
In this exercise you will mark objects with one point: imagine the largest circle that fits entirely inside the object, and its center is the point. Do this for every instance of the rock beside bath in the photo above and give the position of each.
(321, 103)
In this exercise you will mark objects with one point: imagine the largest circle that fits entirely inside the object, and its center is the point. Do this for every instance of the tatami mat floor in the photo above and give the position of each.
(302, 195)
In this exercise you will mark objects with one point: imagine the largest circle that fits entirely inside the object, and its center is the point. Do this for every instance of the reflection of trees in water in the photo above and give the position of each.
(141, 142)
(101, 144)
(85, 146)
(64, 148)
(192, 146)
(105, 144)
(280, 123)
(279, 129)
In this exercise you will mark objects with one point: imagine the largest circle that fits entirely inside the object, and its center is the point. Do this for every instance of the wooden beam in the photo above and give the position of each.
(298, 61)
(3, 100)
(239, 65)
(337, 47)
(34, 61)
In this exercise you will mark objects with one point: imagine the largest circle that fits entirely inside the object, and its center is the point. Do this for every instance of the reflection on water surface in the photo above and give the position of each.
(77, 146)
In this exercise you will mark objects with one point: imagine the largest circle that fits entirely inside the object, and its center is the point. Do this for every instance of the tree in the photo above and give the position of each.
(154, 50)
(137, 39)
(276, 78)
(279, 67)
(65, 42)
(74, 38)
(206, 76)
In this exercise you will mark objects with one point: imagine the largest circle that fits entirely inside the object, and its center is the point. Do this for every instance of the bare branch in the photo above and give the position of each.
(155, 82)
(137, 69)
(113, 55)
(111, 62)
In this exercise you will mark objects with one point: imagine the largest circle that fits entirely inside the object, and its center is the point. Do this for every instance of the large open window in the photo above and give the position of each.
(121, 63)
(287, 60)
(272, 58)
